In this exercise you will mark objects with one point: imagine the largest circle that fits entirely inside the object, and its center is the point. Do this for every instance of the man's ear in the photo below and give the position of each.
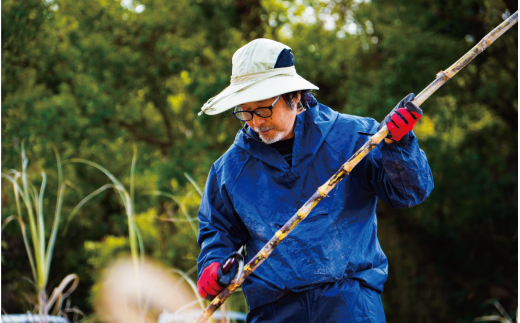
(298, 103)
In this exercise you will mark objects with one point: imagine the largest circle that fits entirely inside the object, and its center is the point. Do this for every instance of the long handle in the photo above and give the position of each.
(323, 190)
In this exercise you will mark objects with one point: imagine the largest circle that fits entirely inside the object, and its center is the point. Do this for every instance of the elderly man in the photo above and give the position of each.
(331, 268)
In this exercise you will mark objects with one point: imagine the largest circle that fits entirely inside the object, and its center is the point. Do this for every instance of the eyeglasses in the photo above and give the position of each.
(263, 112)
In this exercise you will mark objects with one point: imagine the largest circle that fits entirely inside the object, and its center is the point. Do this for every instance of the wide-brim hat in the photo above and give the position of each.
(260, 70)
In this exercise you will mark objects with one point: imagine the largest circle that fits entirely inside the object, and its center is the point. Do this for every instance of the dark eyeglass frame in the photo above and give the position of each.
(255, 111)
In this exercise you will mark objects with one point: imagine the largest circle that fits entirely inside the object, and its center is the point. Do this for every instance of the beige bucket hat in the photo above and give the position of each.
(261, 70)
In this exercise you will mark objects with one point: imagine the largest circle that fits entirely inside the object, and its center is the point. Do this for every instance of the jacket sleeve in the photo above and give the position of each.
(221, 231)
(399, 176)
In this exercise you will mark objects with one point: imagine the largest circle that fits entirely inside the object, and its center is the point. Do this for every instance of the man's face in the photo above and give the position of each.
(279, 126)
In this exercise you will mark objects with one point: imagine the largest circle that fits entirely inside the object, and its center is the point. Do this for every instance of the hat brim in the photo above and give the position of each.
(241, 93)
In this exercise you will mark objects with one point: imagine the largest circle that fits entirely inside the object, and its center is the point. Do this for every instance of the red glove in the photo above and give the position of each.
(402, 119)
(207, 285)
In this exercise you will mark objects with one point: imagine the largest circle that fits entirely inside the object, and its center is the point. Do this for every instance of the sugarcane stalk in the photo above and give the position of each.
(441, 78)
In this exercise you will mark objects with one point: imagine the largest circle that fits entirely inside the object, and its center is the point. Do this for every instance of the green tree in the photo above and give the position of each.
(94, 77)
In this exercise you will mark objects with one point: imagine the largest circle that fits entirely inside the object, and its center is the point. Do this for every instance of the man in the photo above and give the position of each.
(331, 267)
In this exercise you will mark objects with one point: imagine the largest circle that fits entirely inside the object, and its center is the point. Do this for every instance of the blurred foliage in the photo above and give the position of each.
(94, 77)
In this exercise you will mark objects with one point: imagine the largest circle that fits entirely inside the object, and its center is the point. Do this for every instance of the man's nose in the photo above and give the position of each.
(257, 121)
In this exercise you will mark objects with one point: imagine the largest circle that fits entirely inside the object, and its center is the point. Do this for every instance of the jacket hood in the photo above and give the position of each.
(310, 130)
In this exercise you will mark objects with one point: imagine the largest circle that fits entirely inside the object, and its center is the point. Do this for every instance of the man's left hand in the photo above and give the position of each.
(401, 120)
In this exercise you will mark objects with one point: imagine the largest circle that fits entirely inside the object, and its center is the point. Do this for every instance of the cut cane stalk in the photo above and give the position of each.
(321, 193)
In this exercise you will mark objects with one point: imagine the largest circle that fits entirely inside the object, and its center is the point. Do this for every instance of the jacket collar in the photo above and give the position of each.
(310, 130)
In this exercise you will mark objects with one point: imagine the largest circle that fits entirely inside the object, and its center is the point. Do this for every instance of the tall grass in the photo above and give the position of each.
(127, 199)
(39, 251)
(181, 202)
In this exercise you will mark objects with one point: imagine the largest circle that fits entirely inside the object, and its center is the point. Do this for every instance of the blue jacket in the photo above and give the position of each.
(251, 192)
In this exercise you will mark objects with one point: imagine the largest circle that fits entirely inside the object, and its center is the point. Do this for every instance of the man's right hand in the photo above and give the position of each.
(207, 285)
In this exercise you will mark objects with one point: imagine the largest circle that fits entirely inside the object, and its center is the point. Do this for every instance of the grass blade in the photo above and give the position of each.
(192, 285)
(32, 222)
(192, 181)
(132, 171)
(82, 202)
(488, 318)
(140, 241)
(114, 180)
(57, 214)
(42, 267)
(28, 249)
(17, 194)
(181, 206)
(502, 311)
(58, 294)
(6, 221)
(52, 240)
